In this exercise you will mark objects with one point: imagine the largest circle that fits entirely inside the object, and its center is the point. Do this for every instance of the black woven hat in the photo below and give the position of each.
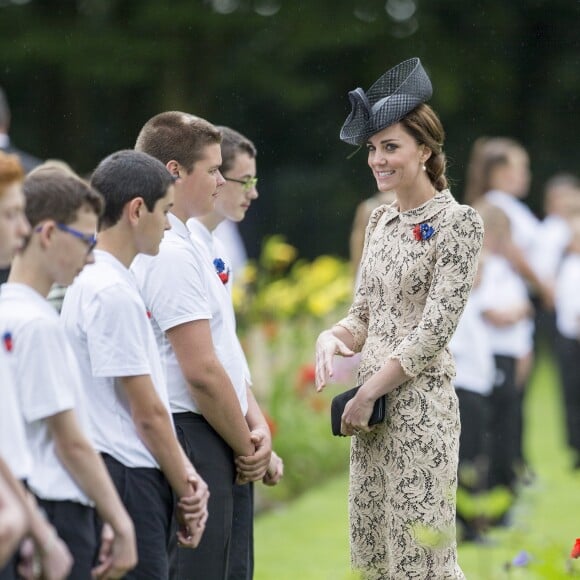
(394, 95)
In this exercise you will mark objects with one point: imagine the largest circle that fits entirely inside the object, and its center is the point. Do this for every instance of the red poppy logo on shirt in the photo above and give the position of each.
(8, 343)
(221, 270)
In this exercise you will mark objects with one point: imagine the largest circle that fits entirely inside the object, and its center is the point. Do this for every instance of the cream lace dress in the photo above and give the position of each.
(403, 474)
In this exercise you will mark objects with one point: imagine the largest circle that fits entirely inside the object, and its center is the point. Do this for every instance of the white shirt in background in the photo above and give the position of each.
(567, 299)
(501, 289)
(552, 239)
(471, 349)
(109, 328)
(48, 382)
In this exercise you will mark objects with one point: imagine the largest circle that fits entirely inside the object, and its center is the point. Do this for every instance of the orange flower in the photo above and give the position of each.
(575, 553)
(318, 404)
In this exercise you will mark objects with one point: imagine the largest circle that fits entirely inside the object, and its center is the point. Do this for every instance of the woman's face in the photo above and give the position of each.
(396, 159)
(14, 226)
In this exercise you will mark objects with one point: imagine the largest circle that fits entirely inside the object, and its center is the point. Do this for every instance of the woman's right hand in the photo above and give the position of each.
(328, 345)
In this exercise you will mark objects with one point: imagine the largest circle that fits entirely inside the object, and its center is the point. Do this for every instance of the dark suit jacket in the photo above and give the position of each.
(28, 161)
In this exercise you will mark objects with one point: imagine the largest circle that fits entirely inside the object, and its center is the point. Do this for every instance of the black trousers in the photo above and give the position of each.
(148, 498)
(474, 438)
(568, 357)
(241, 566)
(76, 524)
(503, 428)
(214, 460)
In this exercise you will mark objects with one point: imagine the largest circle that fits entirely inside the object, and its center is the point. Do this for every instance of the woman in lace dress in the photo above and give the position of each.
(419, 262)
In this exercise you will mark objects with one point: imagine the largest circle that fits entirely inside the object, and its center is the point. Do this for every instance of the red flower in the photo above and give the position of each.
(271, 423)
(417, 232)
(575, 553)
(8, 343)
(305, 379)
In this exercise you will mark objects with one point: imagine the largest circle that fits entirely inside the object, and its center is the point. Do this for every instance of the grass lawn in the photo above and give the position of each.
(308, 539)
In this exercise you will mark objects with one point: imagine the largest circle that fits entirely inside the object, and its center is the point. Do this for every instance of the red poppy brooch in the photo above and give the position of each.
(423, 231)
(222, 271)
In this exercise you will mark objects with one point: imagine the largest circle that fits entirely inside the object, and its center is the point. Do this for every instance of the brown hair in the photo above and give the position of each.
(10, 171)
(57, 194)
(234, 143)
(487, 153)
(423, 124)
(177, 136)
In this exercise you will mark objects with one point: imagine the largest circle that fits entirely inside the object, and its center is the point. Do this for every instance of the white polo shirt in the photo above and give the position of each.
(13, 444)
(214, 248)
(552, 239)
(524, 224)
(179, 285)
(567, 297)
(501, 289)
(471, 349)
(47, 379)
(109, 328)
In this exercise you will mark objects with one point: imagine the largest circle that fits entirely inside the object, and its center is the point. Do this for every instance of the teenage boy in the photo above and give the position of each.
(19, 513)
(67, 475)
(208, 408)
(239, 171)
(122, 375)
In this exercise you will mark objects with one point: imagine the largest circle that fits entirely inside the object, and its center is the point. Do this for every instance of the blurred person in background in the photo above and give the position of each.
(568, 327)
(499, 172)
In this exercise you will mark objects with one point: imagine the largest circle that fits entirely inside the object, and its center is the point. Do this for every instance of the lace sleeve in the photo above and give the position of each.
(456, 264)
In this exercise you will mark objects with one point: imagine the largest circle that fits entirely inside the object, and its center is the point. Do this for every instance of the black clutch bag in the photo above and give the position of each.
(339, 403)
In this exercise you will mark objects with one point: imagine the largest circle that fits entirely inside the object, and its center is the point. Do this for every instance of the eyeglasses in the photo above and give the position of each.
(89, 239)
(248, 184)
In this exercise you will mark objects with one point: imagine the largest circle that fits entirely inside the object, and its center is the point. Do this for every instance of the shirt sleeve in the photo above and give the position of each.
(45, 383)
(115, 326)
(455, 268)
(357, 320)
(174, 288)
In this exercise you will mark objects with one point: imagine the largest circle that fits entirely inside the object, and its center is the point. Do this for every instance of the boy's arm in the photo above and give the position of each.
(13, 522)
(210, 385)
(56, 560)
(87, 468)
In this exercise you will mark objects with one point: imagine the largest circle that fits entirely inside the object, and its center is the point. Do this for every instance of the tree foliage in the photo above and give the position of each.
(83, 76)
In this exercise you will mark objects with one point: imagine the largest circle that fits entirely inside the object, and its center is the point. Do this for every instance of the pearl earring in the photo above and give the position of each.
(424, 167)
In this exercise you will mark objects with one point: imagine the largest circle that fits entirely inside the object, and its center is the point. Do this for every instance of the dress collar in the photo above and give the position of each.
(424, 212)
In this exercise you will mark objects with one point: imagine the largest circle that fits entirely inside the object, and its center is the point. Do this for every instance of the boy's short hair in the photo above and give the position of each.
(54, 194)
(11, 171)
(177, 136)
(234, 143)
(125, 175)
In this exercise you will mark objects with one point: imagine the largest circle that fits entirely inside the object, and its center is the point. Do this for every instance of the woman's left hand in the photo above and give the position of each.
(357, 413)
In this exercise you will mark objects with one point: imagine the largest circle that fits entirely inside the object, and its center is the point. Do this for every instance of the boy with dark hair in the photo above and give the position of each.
(208, 408)
(122, 374)
(68, 476)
